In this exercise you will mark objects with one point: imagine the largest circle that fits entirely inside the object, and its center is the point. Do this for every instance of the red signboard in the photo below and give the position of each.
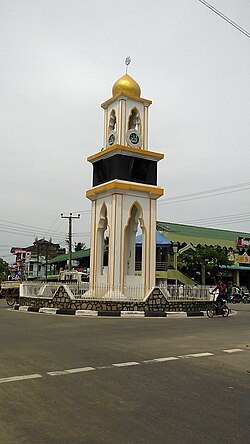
(243, 241)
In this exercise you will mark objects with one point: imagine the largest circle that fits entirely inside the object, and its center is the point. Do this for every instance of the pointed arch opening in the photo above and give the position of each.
(134, 227)
(134, 121)
(112, 121)
(102, 242)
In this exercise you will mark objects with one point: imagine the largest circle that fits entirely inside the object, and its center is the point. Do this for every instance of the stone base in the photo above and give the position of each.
(155, 302)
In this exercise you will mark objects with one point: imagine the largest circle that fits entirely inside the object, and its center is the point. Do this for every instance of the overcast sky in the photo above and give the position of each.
(58, 62)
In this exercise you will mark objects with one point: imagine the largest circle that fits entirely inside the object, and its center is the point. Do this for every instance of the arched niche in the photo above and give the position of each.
(102, 240)
(134, 226)
(112, 121)
(134, 120)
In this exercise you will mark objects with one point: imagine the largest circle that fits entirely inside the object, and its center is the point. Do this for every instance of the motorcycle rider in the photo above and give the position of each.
(221, 286)
(237, 297)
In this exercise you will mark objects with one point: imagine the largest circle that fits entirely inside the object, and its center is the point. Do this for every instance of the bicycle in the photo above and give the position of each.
(218, 309)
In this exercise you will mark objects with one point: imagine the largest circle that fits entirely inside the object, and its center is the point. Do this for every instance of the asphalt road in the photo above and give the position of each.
(65, 379)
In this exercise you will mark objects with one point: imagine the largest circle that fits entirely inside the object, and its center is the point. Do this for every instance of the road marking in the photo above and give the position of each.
(169, 358)
(233, 350)
(103, 367)
(126, 364)
(120, 364)
(20, 378)
(72, 370)
(196, 355)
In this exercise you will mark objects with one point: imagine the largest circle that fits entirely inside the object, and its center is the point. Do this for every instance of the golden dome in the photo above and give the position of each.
(126, 85)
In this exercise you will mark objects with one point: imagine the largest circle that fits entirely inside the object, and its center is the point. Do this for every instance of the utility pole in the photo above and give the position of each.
(70, 217)
(37, 257)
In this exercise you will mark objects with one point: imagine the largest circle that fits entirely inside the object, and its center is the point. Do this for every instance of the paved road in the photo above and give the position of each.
(70, 380)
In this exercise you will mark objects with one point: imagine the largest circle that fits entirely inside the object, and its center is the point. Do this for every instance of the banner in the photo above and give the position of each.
(243, 241)
(244, 259)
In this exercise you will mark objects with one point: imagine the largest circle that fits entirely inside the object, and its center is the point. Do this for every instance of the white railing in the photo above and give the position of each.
(84, 291)
(38, 289)
(109, 292)
(106, 292)
(187, 292)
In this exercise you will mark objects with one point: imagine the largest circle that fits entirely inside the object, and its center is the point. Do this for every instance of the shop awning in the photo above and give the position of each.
(234, 267)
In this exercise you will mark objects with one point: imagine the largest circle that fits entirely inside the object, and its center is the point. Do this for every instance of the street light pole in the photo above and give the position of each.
(70, 217)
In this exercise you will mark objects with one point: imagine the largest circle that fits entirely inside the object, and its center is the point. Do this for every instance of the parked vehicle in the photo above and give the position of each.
(246, 299)
(237, 298)
(244, 291)
(238, 293)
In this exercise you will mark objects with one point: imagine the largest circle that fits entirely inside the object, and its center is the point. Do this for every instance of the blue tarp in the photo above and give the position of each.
(161, 241)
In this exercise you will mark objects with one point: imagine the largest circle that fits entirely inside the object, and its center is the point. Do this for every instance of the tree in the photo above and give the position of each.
(80, 246)
(205, 259)
(4, 269)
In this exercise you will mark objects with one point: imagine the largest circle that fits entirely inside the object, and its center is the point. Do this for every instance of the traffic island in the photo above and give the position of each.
(156, 304)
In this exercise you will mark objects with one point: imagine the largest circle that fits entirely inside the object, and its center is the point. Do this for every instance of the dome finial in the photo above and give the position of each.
(127, 62)
(126, 85)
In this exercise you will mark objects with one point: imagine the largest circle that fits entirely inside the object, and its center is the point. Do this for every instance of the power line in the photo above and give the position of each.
(232, 217)
(224, 17)
(222, 222)
(25, 233)
(207, 193)
(26, 227)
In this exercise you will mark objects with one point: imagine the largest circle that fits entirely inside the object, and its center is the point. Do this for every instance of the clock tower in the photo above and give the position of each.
(124, 194)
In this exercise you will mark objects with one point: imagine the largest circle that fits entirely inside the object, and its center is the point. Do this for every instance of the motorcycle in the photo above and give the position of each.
(246, 299)
(236, 299)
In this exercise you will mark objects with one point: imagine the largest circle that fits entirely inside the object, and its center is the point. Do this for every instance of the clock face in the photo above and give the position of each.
(111, 139)
(134, 138)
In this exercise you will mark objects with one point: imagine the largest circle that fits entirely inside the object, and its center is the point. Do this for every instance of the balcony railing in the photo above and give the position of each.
(160, 266)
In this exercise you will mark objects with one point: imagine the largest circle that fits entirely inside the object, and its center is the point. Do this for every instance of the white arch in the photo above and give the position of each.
(135, 218)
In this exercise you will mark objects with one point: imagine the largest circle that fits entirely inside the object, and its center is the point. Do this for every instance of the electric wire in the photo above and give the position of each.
(56, 221)
(206, 194)
(224, 17)
(26, 227)
(59, 236)
(232, 217)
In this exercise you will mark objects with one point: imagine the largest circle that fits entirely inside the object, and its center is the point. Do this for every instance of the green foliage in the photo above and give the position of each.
(208, 256)
(4, 270)
(80, 246)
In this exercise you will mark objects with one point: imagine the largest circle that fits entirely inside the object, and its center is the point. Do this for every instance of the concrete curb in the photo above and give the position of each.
(122, 314)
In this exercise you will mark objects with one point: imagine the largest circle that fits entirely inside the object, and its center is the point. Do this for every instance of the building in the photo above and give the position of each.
(80, 261)
(18, 267)
(236, 243)
(171, 240)
(37, 264)
(32, 262)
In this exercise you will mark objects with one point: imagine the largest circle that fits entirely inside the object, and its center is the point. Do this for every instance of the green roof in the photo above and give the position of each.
(199, 235)
(179, 233)
(75, 255)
